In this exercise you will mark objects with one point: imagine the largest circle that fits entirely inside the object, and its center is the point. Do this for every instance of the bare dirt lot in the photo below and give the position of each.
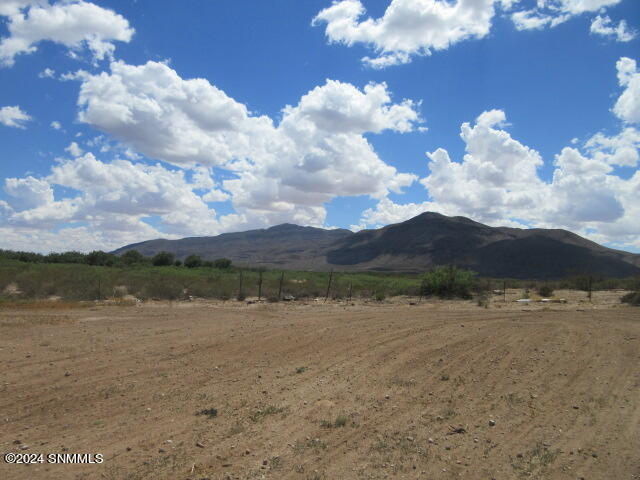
(439, 390)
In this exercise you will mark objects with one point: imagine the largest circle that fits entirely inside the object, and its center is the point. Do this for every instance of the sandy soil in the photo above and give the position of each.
(439, 390)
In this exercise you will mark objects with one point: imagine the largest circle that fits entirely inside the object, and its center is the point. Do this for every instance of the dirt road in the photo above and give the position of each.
(322, 391)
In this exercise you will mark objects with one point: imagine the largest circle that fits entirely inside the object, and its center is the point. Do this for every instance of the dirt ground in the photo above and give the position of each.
(437, 390)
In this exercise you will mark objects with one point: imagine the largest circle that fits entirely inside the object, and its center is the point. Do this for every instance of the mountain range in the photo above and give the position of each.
(416, 245)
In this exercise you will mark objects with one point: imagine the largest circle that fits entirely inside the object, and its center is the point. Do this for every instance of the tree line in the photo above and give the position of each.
(106, 259)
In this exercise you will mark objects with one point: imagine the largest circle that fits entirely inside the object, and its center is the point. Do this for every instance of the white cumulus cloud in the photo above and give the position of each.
(617, 150)
(270, 173)
(109, 206)
(498, 182)
(74, 149)
(417, 27)
(408, 27)
(627, 106)
(74, 24)
(605, 27)
(13, 117)
(283, 172)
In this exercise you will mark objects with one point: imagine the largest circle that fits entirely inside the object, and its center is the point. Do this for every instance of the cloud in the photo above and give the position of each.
(74, 149)
(617, 150)
(75, 24)
(583, 191)
(106, 205)
(216, 195)
(498, 183)
(550, 13)
(603, 26)
(47, 73)
(417, 27)
(13, 117)
(533, 20)
(220, 152)
(13, 7)
(184, 122)
(283, 172)
(498, 174)
(28, 193)
(627, 107)
(56, 125)
(407, 28)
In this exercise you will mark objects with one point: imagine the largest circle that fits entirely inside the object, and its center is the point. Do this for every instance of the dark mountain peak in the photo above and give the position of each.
(427, 215)
(435, 217)
(293, 228)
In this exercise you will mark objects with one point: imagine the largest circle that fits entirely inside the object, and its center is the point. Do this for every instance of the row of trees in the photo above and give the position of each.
(105, 259)
(165, 259)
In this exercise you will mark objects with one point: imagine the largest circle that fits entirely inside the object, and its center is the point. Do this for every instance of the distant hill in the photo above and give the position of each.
(283, 246)
(425, 241)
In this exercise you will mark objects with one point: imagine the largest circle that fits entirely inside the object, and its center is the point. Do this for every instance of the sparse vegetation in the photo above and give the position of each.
(545, 291)
(35, 280)
(260, 414)
(76, 276)
(313, 443)
(483, 299)
(448, 282)
(536, 459)
(209, 412)
(340, 421)
(632, 298)
(513, 399)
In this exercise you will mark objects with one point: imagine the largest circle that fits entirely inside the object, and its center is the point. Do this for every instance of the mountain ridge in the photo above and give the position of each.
(420, 243)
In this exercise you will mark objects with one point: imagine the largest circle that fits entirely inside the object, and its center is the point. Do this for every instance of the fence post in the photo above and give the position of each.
(504, 290)
(260, 285)
(590, 285)
(280, 288)
(240, 288)
(350, 290)
(329, 286)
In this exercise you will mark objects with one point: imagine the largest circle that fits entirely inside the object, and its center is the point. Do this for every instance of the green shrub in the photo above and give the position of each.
(380, 296)
(632, 298)
(132, 257)
(163, 259)
(545, 291)
(222, 263)
(193, 261)
(448, 282)
(98, 257)
(483, 299)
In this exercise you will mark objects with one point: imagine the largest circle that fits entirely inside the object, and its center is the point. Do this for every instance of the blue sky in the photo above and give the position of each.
(350, 114)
